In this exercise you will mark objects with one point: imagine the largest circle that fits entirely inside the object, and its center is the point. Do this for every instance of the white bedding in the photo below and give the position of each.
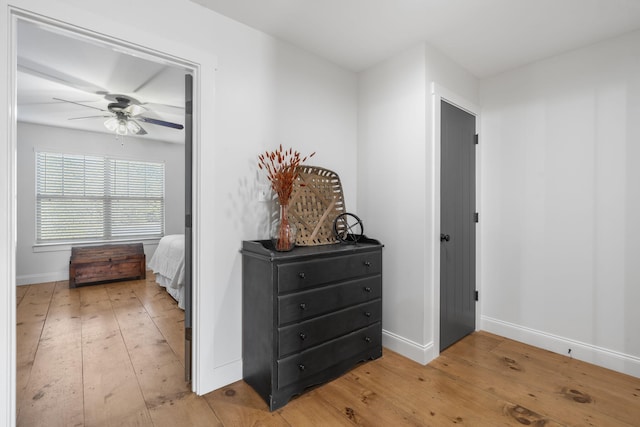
(168, 265)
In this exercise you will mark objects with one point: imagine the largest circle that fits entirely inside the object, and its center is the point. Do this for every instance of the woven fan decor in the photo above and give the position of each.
(315, 203)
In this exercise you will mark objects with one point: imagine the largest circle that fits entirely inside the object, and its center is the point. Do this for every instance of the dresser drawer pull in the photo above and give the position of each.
(303, 306)
(367, 339)
(303, 336)
(301, 367)
(367, 289)
(367, 263)
(367, 313)
(301, 275)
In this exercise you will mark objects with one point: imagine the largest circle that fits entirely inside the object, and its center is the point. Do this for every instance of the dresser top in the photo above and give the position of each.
(264, 248)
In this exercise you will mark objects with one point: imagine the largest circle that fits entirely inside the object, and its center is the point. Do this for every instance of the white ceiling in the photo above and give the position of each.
(55, 65)
(484, 36)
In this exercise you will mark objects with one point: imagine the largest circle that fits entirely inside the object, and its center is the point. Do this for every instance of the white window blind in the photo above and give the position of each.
(90, 198)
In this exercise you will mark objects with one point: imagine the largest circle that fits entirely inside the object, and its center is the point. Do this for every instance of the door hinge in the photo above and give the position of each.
(476, 295)
(475, 139)
(476, 217)
(187, 221)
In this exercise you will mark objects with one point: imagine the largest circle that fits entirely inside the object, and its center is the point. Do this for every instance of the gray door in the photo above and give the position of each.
(188, 154)
(457, 225)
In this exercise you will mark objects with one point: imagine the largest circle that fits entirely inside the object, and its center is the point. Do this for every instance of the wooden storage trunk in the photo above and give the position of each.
(106, 263)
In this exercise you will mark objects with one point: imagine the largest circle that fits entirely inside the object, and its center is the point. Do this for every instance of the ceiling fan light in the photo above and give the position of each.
(134, 109)
(121, 129)
(111, 124)
(133, 127)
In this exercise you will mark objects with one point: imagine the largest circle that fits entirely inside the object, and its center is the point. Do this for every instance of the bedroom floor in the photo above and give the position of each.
(113, 354)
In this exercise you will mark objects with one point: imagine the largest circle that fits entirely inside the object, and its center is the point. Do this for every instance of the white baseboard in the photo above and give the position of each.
(29, 279)
(614, 360)
(232, 372)
(422, 354)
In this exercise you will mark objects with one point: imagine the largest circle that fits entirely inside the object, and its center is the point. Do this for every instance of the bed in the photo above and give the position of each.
(168, 265)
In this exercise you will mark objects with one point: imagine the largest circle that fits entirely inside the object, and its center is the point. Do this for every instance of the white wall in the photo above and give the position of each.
(561, 203)
(253, 92)
(37, 265)
(396, 158)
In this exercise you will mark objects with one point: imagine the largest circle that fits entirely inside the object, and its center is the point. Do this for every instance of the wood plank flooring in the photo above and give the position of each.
(113, 354)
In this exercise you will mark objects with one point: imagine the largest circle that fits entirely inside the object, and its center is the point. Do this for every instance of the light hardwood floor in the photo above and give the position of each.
(112, 355)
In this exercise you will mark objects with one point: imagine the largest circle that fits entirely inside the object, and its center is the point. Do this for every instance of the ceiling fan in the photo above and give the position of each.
(124, 115)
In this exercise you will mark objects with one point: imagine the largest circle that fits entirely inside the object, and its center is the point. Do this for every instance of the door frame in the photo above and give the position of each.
(8, 145)
(440, 93)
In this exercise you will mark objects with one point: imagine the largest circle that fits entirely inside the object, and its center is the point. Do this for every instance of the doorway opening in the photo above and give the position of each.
(44, 86)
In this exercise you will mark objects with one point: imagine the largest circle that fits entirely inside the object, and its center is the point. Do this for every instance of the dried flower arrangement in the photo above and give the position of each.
(282, 170)
(281, 167)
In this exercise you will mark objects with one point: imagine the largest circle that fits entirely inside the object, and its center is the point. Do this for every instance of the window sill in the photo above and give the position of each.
(66, 246)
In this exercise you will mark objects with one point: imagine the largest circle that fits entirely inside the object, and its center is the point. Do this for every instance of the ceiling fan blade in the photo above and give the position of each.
(88, 117)
(160, 122)
(172, 109)
(77, 103)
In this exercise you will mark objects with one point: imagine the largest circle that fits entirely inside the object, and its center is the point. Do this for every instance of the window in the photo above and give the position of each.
(91, 198)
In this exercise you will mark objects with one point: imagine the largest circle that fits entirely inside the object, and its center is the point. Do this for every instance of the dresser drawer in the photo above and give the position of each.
(307, 304)
(300, 275)
(310, 362)
(301, 336)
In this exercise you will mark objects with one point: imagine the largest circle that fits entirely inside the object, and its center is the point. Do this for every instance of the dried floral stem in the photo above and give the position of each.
(282, 170)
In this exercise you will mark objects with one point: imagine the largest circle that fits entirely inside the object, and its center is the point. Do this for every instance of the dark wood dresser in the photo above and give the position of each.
(309, 315)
